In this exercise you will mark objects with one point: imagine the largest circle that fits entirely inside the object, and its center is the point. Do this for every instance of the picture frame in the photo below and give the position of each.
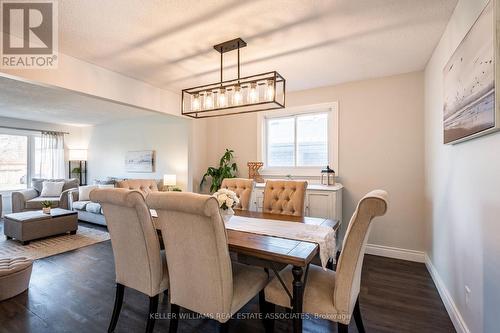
(140, 161)
(471, 105)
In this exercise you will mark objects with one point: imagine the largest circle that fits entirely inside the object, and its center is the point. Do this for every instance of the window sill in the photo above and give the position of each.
(294, 172)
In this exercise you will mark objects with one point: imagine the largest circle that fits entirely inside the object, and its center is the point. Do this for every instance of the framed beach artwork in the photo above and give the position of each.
(470, 96)
(140, 161)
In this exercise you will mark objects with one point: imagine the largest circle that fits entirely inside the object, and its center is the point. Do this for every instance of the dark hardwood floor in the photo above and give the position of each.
(74, 292)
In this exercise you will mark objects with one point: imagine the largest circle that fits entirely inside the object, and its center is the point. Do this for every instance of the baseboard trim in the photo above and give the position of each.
(455, 316)
(395, 252)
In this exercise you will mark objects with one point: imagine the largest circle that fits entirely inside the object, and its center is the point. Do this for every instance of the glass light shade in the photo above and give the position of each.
(209, 101)
(169, 180)
(78, 154)
(270, 90)
(237, 96)
(222, 98)
(196, 103)
(253, 94)
(248, 94)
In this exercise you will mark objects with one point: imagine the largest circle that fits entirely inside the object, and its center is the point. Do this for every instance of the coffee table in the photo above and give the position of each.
(27, 226)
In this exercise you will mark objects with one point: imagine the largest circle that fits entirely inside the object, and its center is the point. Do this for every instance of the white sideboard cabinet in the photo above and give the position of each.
(321, 201)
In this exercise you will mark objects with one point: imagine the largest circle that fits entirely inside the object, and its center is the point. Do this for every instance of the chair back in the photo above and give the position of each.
(145, 186)
(348, 273)
(135, 243)
(285, 197)
(242, 187)
(195, 239)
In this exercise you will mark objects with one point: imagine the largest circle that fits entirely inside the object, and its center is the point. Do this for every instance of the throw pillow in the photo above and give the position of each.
(51, 189)
(84, 192)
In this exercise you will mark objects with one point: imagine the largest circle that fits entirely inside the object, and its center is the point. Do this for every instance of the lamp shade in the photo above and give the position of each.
(169, 180)
(78, 154)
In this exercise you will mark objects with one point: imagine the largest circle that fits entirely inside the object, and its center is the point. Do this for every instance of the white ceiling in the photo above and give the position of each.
(33, 102)
(310, 42)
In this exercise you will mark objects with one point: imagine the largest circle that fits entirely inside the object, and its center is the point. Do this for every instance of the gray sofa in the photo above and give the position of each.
(30, 199)
(88, 211)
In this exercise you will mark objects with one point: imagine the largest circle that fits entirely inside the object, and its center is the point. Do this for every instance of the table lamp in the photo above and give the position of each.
(168, 181)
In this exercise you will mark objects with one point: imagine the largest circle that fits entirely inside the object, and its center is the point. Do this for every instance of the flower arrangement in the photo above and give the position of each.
(227, 201)
(226, 198)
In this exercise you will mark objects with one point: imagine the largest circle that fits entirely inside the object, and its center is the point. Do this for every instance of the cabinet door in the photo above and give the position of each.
(257, 200)
(319, 204)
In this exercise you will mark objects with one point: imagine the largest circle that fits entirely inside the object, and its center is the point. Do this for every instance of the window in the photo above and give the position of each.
(20, 159)
(299, 141)
(13, 162)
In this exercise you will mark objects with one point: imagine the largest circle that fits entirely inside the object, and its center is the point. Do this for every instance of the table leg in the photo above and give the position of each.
(298, 293)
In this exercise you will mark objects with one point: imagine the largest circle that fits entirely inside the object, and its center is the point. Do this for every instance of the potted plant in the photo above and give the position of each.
(227, 201)
(76, 171)
(226, 169)
(46, 206)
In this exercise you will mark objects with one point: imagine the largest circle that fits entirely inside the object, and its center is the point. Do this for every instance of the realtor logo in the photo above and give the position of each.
(29, 34)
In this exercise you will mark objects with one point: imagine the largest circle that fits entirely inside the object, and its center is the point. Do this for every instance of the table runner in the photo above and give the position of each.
(322, 235)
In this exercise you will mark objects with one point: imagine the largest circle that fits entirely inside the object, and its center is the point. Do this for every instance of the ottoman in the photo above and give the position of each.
(15, 276)
(27, 226)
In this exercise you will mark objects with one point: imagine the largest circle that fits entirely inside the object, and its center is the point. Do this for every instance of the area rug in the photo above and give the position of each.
(52, 245)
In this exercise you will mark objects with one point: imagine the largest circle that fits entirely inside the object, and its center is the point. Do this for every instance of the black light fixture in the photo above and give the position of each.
(254, 93)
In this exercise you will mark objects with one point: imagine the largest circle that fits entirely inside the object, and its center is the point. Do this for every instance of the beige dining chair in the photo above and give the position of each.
(202, 277)
(139, 263)
(242, 187)
(330, 294)
(286, 197)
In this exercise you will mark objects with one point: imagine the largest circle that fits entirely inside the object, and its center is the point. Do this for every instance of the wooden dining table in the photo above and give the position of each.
(279, 250)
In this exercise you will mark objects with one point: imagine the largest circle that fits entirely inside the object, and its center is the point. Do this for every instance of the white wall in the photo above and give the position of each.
(75, 139)
(462, 196)
(167, 135)
(381, 146)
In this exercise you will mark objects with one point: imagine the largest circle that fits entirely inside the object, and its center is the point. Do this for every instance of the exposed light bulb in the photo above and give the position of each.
(237, 97)
(196, 103)
(222, 98)
(270, 90)
(253, 95)
(209, 101)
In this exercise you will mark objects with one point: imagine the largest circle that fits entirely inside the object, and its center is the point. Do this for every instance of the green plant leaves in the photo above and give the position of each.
(226, 169)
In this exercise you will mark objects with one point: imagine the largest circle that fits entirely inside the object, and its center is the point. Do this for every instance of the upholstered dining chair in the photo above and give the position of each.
(286, 197)
(330, 294)
(139, 263)
(242, 187)
(145, 186)
(202, 277)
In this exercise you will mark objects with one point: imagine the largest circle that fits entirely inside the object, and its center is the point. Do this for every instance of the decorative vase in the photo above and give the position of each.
(46, 210)
(226, 214)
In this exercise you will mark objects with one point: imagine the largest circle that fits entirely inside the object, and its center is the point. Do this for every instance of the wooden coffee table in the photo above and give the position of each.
(27, 226)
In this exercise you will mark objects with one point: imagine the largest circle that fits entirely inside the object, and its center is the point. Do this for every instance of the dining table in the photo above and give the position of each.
(278, 250)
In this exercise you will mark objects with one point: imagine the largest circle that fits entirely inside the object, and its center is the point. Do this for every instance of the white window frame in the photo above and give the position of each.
(333, 139)
(30, 153)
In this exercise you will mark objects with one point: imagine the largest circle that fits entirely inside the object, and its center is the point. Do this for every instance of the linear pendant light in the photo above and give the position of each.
(254, 93)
